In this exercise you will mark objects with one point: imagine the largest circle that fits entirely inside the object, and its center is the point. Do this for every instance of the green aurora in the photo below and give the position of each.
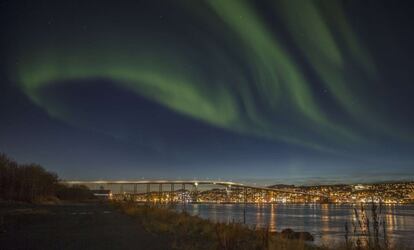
(235, 70)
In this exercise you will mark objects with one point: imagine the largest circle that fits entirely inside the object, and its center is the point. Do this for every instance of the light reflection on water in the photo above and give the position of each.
(325, 221)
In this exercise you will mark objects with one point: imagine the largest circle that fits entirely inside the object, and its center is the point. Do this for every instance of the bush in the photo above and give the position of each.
(27, 182)
(32, 183)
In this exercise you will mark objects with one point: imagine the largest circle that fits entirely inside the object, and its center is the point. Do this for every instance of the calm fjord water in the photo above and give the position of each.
(325, 221)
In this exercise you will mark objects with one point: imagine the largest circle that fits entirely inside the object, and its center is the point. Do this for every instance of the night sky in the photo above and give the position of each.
(268, 91)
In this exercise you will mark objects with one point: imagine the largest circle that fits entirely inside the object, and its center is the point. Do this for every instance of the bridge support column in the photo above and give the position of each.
(148, 192)
(160, 192)
(244, 206)
(172, 193)
(134, 195)
(183, 193)
(228, 190)
(195, 192)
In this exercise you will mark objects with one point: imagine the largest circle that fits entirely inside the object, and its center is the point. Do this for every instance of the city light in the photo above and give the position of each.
(388, 193)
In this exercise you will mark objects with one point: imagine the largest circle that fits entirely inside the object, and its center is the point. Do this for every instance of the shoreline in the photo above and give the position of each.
(272, 203)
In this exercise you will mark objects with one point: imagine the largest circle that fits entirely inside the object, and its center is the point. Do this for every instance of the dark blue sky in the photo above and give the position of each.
(233, 90)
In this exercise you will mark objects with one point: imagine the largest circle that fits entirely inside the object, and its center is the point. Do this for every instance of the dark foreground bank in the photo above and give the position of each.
(72, 226)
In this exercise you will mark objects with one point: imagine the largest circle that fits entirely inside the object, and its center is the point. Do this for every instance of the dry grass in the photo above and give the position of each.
(192, 232)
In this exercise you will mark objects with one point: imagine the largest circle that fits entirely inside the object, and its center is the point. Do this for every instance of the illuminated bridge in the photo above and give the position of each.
(196, 191)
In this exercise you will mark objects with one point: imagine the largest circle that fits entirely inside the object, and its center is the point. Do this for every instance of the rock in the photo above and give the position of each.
(306, 236)
(290, 234)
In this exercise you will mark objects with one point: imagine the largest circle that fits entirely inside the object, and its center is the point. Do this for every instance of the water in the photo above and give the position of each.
(326, 222)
